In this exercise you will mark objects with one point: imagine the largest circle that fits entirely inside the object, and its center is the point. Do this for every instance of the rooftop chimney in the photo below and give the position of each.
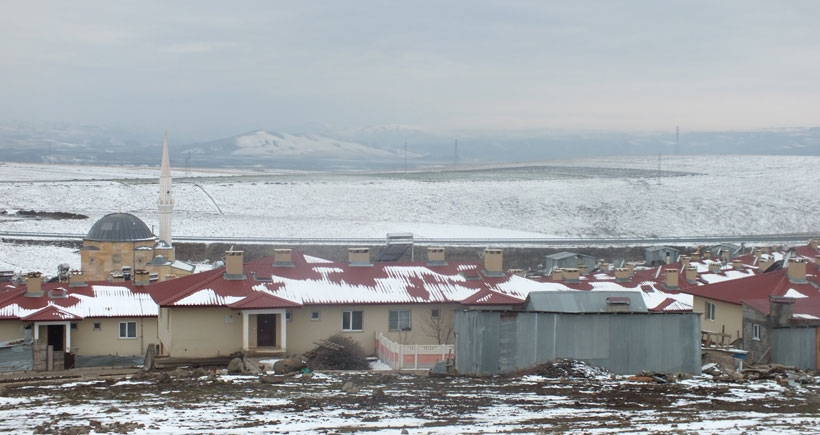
(435, 256)
(234, 262)
(631, 268)
(622, 274)
(282, 257)
(725, 255)
(757, 253)
(572, 275)
(583, 270)
(817, 261)
(359, 256)
(557, 274)
(684, 259)
(116, 277)
(493, 259)
(604, 267)
(780, 310)
(76, 279)
(668, 258)
(714, 267)
(34, 284)
(670, 278)
(797, 271)
(737, 265)
(691, 274)
(707, 254)
(142, 277)
(814, 243)
(695, 256)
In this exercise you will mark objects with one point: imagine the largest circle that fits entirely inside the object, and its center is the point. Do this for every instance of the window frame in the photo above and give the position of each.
(96, 326)
(398, 323)
(435, 313)
(127, 331)
(288, 316)
(710, 311)
(315, 316)
(756, 332)
(348, 317)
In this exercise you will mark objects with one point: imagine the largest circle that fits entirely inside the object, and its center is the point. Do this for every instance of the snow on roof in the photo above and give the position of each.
(93, 300)
(805, 316)
(314, 260)
(792, 293)
(207, 297)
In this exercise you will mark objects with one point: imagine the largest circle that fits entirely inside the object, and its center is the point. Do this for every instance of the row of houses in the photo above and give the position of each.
(625, 318)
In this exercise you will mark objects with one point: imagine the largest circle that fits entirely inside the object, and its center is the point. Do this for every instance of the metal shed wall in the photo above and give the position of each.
(490, 343)
(794, 347)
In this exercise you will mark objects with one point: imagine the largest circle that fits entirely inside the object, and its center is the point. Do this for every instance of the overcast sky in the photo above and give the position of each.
(214, 68)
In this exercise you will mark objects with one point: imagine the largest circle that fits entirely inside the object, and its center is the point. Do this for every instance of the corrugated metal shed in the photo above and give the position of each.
(491, 342)
(569, 259)
(583, 302)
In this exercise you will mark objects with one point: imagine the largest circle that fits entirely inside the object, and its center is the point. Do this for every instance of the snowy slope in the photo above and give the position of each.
(708, 195)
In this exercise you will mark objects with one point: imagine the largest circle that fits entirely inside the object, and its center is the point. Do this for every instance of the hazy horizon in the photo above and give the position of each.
(206, 70)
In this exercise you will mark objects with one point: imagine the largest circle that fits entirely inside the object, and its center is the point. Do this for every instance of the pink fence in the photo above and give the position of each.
(411, 356)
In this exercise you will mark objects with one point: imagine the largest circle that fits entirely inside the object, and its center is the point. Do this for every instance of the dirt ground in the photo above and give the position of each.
(209, 401)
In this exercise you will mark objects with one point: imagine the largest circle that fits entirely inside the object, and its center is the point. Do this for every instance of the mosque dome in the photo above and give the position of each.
(119, 227)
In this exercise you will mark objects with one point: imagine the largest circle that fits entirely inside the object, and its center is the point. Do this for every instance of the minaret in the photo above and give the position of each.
(166, 201)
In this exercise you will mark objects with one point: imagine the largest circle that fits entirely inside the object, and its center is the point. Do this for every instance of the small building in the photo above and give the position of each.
(614, 330)
(783, 330)
(658, 255)
(562, 260)
(95, 323)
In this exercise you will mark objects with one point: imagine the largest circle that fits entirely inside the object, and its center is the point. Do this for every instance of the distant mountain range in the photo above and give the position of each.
(381, 147)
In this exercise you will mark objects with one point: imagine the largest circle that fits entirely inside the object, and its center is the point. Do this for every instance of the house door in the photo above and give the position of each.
(266, 330)
(56, 337)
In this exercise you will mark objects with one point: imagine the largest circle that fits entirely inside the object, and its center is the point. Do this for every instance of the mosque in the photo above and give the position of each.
(120, 246)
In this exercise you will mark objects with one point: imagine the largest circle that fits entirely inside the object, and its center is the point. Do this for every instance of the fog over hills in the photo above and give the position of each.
(381, 147)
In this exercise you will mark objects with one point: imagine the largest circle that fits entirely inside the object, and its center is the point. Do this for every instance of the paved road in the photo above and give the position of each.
(749, 239)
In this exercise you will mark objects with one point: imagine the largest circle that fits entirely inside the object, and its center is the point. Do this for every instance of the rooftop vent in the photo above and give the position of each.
(34, 284)
(622, 274)
(797, 271)
(359, 256)
(435, 256)
(670, 279)
(76, 279)
(234, 261)
(572, 275)
(282, 257)
(142, 277)
(493, 261)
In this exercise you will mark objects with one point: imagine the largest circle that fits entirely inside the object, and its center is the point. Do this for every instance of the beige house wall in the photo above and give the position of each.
(202, 332)
(728, 317)
(86, 340)
(303, 332)
(12, 330)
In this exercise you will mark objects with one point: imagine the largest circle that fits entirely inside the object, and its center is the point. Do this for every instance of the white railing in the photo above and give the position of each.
(411, 356)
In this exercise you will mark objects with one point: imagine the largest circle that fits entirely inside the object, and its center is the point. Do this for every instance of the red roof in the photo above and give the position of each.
(489, 297)
(775, 283)
(808, 306)
(262, 300)
(321, 283)
(51, 313)
(93, 299)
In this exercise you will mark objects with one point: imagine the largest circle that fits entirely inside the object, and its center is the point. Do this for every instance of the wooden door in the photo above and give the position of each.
(266, 330)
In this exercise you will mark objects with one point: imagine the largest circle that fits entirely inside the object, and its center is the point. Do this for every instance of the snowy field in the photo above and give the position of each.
(605, 197)
(392, 403)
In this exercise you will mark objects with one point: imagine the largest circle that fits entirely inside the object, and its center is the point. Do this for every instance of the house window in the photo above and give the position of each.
(128, 329)
(710, 311)
(352, 320)
(288, 316)
(436, 314)
(73, 326)
(97, 326)
(399, 320)
(755, 332)
(314, 315)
